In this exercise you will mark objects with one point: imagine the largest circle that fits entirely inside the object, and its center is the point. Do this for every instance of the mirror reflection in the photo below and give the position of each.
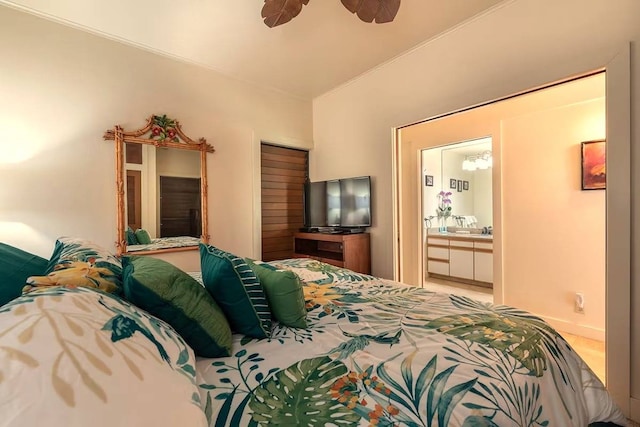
(163, 197)
(457, 182)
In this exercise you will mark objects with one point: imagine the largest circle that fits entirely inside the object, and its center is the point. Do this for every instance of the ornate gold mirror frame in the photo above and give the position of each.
(163, 132)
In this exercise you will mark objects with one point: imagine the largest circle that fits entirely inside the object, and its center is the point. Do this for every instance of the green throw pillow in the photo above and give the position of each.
(130, 236)
(284, 293)
(169, 293)
(237, 290)
(15, 266)
(142, 236)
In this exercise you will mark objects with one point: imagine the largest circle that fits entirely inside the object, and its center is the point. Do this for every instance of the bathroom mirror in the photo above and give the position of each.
(161, 188)
(470, 186)
(467, 174)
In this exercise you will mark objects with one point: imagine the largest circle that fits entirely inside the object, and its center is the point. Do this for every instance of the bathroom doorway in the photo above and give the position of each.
(457, 212)
(548, 232)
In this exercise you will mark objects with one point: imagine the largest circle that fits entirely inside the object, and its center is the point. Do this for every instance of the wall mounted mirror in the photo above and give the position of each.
(467, 174)
(161, 188)
(465, 170)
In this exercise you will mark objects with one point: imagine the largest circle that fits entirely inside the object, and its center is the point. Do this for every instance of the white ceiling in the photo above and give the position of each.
(323, 47)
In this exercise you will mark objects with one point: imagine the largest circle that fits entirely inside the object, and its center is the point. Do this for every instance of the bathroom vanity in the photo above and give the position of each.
(466, 258)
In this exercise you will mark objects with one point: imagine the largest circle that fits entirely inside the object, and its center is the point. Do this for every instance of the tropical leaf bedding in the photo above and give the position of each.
(381, 353)
(165, 243)
(81, 357)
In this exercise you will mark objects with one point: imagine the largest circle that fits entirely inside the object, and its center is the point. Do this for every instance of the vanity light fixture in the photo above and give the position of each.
(482, 160)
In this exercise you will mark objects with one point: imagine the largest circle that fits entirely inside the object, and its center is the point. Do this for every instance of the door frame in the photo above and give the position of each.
(618, 207)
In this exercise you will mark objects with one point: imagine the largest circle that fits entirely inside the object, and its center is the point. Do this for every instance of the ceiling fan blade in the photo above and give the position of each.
(278, 12)
(369, 10)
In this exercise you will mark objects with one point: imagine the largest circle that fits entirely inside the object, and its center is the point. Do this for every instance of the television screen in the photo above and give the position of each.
(355, 202)
(339, 203)
(315, 204)
(333, 203)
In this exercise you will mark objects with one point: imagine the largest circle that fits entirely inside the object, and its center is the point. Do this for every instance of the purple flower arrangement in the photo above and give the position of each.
(444, 204)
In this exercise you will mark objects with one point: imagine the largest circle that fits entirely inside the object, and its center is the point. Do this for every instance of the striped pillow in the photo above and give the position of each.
(237, 290)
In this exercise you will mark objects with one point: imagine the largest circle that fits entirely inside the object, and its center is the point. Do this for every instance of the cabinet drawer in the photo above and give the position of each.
(461, 244)
(483, 245)
(438, 267)
(436, 252)
(437, 241)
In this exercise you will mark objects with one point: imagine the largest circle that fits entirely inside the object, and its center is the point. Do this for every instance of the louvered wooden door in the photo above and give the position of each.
(284, 171)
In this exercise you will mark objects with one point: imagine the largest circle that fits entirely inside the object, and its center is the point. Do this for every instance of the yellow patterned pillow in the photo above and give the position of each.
(80, 263)
(73, 274)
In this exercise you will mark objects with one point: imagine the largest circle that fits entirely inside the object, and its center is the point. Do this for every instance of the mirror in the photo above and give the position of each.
(465, 170)
(466, 173)
(161, 188)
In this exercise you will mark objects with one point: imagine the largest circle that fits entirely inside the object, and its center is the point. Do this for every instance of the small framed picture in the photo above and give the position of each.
(594, 176)
(453, 183)
(459, 185)
(465, 185)
(428, 180)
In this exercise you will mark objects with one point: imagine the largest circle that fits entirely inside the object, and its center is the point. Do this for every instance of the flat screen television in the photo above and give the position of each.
(355, 202)
(315, 204)
(338, 204)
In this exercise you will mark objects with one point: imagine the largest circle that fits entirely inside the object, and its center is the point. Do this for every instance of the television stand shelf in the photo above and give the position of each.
(350, 251)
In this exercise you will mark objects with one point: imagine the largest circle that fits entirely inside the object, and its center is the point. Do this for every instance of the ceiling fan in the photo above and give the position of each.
(278, 12)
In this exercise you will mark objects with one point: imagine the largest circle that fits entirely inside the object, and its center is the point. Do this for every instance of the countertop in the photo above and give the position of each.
(469, 236)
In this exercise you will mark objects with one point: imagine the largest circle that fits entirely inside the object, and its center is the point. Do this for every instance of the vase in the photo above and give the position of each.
(442, 224)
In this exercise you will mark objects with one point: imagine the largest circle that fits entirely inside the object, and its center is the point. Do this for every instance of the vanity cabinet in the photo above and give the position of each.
(438, 256)
(483, 262)
(461, 259)
(465, 259)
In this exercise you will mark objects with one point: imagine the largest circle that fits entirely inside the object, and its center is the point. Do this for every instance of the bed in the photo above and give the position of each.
(374, 352)
(379, 352)
(165, 243)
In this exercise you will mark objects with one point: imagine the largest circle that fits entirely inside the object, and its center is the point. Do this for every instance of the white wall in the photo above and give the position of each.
(482, 196)
(62, 88)
(553, 232)
(473, 64)
(461, 201)
(431, 165)
(524, 44)
(178, 163)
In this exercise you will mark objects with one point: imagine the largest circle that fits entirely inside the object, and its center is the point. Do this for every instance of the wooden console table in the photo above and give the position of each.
(350, 251)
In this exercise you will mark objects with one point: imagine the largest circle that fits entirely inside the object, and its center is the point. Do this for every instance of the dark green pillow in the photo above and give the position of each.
(169, 293)
(130, 236)
(237, 290)
(142, 236)
(285, 296)
(15, 266)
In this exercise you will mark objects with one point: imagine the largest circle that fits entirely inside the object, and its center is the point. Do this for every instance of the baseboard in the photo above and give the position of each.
(634, 410)
(575, 329)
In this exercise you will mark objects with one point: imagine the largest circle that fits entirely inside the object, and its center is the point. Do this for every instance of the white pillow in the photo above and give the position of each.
(81, 357)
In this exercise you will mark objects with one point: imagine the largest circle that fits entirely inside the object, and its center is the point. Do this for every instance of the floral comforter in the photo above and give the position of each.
(381, 353)
(165, 243)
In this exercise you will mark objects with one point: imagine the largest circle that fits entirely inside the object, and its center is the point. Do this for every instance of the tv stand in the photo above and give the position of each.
(350, 251)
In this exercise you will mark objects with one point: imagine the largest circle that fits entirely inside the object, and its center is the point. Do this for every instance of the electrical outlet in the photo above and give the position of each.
(579, 302)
